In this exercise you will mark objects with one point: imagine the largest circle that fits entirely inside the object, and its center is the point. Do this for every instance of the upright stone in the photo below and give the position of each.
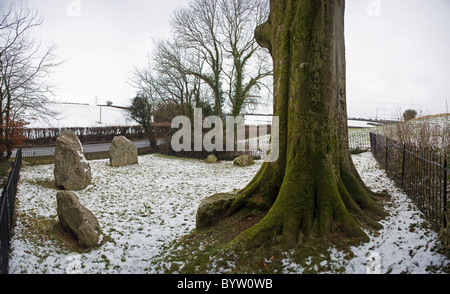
(122, 152)
(72, 170)
(77, 219)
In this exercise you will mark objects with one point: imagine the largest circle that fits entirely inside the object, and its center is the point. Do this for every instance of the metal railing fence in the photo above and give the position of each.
(7, 203)
(421, 172)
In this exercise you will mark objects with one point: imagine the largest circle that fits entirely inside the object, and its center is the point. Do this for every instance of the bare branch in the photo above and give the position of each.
(25, 67)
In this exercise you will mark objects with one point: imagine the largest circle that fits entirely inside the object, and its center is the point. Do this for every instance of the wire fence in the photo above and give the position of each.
(359, 141)
(421, 172)
(7, 203)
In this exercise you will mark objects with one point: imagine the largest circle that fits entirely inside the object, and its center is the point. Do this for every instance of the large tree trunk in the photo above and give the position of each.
(313, 188)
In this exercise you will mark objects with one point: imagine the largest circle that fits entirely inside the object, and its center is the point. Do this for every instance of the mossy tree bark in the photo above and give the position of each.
(313, 188)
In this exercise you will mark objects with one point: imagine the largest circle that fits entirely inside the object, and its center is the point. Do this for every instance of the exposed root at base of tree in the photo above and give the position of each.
(313, 205)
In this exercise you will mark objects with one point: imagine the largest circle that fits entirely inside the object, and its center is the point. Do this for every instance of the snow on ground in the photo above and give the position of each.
(406, 244)
(142, 208)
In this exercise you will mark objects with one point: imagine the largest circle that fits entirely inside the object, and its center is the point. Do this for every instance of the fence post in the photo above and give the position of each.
(445, 191)
(4, 235)
(387, 147)
(403, 163)
(374, 144)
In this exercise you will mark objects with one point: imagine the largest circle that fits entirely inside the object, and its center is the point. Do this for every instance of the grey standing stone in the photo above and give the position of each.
(72, 170)
(77, 219)
(122, 152)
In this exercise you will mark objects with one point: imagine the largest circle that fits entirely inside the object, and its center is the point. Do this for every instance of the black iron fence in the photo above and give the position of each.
(422, 173)
(7, 202)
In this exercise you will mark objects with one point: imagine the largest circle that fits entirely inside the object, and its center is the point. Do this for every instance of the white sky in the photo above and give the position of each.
(397, 50)
(398, 56)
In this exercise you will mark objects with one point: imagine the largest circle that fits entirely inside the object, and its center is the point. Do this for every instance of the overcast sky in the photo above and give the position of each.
(397, 50)
(398, 56)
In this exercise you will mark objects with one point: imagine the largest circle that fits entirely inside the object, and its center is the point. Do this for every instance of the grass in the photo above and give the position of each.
(205, 251)
(38, 160)
(4, 167)
(49, 184)
(39, 230)
(357, 150)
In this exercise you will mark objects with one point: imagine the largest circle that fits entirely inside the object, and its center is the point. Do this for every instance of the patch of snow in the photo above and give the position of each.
(83, 160)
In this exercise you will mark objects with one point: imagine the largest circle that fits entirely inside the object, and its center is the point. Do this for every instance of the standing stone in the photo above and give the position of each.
(72, 170)
(77, 219)
(122, 152)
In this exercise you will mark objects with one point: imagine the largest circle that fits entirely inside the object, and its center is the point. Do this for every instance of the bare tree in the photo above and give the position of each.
(166, 82)
(144, 81)
(174, 84)
(212, 54)
(250, 62)
(24, 70)
(220, 32)
(196, 29)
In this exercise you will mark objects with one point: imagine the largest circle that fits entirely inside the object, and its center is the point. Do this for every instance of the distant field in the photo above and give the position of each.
(427, 131)
(82, 115)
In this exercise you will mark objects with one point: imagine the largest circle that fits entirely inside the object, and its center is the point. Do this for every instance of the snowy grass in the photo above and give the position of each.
(143, 208)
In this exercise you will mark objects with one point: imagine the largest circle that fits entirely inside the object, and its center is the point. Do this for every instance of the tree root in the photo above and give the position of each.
(314, 207)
